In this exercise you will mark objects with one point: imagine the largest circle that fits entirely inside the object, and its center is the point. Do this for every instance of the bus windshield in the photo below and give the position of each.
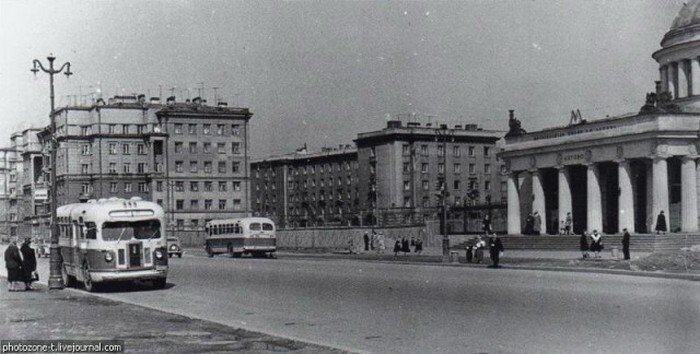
(122, 230)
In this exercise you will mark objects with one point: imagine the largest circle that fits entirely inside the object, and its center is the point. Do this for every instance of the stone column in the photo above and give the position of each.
(689, 195)
(594, 203)
(695, 76)
(626, 205)
(659, 200)
(564, 194)
(683, 78)
(538, 203)
(672, 76)
(513, 205)
(663, 74)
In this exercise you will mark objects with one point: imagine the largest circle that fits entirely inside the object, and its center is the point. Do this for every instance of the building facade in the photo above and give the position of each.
(308, 189)
(189, 157)
(618, 172)
(391, 177)
(10, 174)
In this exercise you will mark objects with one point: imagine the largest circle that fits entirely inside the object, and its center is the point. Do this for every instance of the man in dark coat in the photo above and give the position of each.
(13, 263)
(28, 262)
(661, 223)
(626, 244)
(495, 250)
(529, 224)
(365, 238)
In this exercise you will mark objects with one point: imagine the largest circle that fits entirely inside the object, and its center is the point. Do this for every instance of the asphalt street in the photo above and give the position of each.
(403, 308)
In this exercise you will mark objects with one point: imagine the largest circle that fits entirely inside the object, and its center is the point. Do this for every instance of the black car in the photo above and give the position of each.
(174, 247)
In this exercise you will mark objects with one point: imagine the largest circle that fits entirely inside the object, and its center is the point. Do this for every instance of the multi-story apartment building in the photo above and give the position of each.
(390, 177)
(10, 173)
(189, 157)
(407, 168)
(305, 188)
(34, 210)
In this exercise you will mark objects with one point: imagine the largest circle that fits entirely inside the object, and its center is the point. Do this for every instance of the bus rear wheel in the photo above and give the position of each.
(68, 280)
(209, 252)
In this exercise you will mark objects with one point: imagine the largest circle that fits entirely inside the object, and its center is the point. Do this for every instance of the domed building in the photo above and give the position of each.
(619, 172)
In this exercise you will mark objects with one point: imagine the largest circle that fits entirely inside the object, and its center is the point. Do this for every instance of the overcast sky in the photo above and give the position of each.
(319, 72)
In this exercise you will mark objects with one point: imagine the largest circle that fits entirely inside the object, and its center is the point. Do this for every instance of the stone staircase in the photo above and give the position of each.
(639, 242)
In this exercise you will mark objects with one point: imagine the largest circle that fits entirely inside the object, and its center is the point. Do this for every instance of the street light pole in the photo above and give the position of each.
(55, 278)
(444, 133)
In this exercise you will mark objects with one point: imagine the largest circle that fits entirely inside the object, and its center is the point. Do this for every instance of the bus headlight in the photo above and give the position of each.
(108, 257)
(158, 254)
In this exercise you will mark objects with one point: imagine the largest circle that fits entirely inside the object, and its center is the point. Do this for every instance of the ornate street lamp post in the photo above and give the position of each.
(55, 278)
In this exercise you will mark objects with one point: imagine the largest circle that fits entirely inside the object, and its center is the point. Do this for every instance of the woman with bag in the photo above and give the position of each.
(28, 263)
(13, 263)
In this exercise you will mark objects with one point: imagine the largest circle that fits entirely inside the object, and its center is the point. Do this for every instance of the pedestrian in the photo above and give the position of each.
(372, 240)
(470, 250)
(419, 246)
(486, 224)
(537, 224)
(529, 224)
(380, 243)
(405, 248)
(661, 223)
(495, 250)
(28, 263)
(479, 249)
(13, 263)
(568, 223)
(626, 244)
(365, 238)
(596, 243)
(583, 241)
(397, 247)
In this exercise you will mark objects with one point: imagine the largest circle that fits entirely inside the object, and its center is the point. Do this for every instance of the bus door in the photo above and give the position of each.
(80, 244)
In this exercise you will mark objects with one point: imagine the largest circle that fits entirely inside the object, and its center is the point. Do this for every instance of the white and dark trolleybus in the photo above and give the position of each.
(251, 235)
(112, 240)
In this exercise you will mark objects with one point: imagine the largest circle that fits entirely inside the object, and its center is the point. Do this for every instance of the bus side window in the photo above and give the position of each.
(91, 230)
(237, 229)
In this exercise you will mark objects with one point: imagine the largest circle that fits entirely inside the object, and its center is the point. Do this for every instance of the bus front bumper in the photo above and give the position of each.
(127, 275)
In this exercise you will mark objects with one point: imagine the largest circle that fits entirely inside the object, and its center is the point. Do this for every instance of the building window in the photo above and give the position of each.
(471, 151)
(113, 187)
(426, 185)
(222, 167)
(424, 150)
(125, 129)
(180, 204)
(424, 168)
(125, 149)
(178, 147)
(219, 129)
(143, 187)
(236, 148)
(235, 129)
(406, 150)
(194, 204)
(193, 166)
(487, 151)
(407, 202)
(441, 150)
(208, 186)
(179, 186)
(159, 186)
(207, 166)
(194, 186)
(194, 222)
(487, 169)
(406, 167)
(457, 184)
(222, 204)
(85, 168)
(112, 148)
(140, 129)
(141, 167)
(456, 152)
(192, 129)
(487, 185)
(178, 166)
(206, 148)
(457, 168)
(127, 167)
(441, 168)
(178, 128)
(236, 186)
(85, 188)
(127, 187)
(180, 224)
(141, 149)
(206, 129)
(472, 168)
(236, 204)
(222, 186)
(207, 204)
(85, 149)
(221, 148)
(112, 167)
(406, 185)
(112, 128)
(193, 148)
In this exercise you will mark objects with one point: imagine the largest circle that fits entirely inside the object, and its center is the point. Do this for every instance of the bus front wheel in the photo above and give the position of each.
(87, 281)
(209, 251)
(159, 283)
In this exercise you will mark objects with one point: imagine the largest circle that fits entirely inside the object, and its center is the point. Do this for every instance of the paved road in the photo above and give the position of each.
(380, 307)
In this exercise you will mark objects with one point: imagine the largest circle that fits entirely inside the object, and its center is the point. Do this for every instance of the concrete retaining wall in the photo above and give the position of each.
(339, 237)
